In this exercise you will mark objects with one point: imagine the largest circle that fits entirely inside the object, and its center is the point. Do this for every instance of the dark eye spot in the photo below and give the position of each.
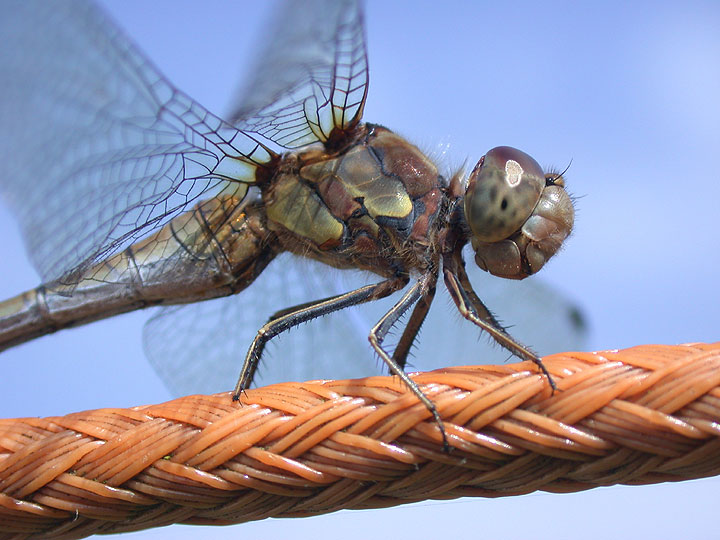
(504, 204)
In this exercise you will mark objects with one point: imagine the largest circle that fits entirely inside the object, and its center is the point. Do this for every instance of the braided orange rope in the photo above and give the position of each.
(641, 415)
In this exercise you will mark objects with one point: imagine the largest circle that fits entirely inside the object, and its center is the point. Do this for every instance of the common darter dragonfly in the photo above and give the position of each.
(140, 197)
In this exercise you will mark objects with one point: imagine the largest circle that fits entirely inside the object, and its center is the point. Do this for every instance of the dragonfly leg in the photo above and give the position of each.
(412, 328)
(420, 290)
(473, 309)
(287, 318)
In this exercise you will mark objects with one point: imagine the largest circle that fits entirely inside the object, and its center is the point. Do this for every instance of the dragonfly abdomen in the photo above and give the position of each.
(216, 249)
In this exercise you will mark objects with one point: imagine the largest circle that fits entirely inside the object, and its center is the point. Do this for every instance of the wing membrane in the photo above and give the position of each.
(97, 149)
(312, 77)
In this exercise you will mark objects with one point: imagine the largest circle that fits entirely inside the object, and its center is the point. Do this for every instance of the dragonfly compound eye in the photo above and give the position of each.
(502, 192)
(518, 220)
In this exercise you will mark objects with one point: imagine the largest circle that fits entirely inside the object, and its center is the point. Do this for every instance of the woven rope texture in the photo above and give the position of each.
(638, 416)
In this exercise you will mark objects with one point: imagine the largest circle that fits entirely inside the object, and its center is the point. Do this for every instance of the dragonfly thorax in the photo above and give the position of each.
(373, 206)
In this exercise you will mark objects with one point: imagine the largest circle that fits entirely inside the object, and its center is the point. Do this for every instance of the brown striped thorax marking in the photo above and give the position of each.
(372, 206)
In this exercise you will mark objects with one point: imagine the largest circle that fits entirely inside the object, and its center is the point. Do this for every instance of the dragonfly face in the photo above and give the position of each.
(519, 216)
(157, 201)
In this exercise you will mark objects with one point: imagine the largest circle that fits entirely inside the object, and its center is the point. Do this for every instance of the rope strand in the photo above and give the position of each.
(638, 416)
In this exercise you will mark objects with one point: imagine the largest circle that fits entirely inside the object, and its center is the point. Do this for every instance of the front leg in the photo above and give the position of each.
(473, 309)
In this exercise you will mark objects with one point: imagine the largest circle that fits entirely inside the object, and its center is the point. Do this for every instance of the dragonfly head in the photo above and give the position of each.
(519, 216)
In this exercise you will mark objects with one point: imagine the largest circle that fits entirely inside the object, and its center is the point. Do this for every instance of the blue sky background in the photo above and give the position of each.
(628, 92)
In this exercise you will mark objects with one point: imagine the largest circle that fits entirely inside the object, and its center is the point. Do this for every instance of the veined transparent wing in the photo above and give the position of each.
(199, 348)
(311, 80)
(97, 149)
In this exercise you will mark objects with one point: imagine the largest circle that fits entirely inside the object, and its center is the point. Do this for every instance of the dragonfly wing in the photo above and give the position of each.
(97, 149)
(312, 77)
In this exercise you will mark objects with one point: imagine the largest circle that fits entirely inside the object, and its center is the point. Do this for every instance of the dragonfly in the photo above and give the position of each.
(129, 194)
